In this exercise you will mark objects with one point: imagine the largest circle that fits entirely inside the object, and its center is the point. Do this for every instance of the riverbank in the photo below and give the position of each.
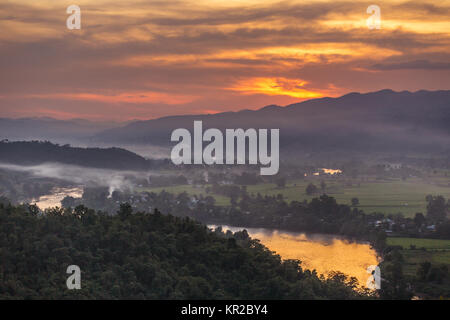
(321, 252)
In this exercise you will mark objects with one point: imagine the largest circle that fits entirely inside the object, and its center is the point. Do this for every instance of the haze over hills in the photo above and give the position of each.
(378, 121)
(383, 120)
(51, 129)
(26, 153)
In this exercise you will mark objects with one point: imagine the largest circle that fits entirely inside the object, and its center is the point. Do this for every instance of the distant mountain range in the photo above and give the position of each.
(51, 129)
(378, 121)
(382, 121)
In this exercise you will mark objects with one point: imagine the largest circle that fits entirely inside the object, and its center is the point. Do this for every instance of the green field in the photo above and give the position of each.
(388, 197)
(419, 243)
(413, 258)
(407, 197)
(436, 251)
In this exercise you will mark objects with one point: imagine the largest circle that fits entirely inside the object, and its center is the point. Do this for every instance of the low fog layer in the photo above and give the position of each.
(113, 179)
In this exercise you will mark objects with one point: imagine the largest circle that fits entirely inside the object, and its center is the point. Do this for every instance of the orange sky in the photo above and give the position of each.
(151, 58)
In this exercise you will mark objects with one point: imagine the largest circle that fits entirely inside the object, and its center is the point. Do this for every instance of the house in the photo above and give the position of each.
(392, 166)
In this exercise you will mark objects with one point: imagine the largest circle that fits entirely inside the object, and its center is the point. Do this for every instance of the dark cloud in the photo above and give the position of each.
(422, 9)
(417, 64)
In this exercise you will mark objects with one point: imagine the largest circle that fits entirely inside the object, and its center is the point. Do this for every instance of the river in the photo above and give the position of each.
(54, 198)
(324, 253)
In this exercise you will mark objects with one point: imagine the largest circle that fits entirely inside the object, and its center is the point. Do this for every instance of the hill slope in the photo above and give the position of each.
(34, 152)
(51, 129)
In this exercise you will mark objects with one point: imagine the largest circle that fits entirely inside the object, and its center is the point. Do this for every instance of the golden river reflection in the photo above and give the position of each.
(58, 194)
(324, 253)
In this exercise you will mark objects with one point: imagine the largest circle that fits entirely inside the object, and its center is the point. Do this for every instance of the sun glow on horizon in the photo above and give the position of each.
(275, 87)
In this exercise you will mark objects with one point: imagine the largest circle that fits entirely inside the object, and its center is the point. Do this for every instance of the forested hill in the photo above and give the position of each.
(36, 152)
(145, 256)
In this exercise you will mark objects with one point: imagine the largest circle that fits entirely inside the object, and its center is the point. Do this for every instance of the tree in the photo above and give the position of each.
(443, 230)
(419, 219)
(125, 210)
(393, 284)
(323, 186)
(436, 208)
(33, 209)
(311, 189)
(422, 271)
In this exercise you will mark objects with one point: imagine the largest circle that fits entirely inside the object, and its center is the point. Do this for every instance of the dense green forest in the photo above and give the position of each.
(145, 256)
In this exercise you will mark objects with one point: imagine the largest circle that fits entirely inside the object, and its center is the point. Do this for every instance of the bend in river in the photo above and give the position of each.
(324, 253)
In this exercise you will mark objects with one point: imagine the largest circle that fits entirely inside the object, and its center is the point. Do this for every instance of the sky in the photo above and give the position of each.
(146, 59)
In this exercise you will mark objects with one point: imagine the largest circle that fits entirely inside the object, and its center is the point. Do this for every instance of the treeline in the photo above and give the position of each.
(145, 256)
(433, 224)
(38, 152)
(320, 215)
(430, 281)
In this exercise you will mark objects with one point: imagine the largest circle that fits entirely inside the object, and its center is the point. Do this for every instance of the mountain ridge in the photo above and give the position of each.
(384, 117)
(383, 120)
